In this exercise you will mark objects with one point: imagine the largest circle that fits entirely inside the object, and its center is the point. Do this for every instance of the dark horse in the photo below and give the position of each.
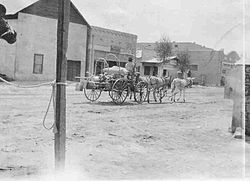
(6, 32)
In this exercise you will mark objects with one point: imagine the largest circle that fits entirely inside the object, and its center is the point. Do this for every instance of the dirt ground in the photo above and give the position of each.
(106, 141)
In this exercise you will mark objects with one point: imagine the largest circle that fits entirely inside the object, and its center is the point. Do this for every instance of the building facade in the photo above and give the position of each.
(157, 67)
(114, 46)
(205, 63)
(33, 56)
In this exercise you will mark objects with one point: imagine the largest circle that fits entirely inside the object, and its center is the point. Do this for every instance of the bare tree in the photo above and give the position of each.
(232, 57)
(163, 48)
(183, 62)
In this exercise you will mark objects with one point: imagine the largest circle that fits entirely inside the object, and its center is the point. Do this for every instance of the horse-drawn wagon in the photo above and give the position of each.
(115, 81)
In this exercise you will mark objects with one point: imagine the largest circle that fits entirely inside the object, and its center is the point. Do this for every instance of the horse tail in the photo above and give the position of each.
(170, 81)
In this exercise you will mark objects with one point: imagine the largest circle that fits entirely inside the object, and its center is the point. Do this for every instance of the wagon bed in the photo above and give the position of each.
(118, 86)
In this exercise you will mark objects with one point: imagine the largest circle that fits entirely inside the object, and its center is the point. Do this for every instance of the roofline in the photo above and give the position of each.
(180, 42)
(11, 16)
(74, 7)
(151, 62)
(27, 7)
(15, 16)
(114, 31)
(160, 61)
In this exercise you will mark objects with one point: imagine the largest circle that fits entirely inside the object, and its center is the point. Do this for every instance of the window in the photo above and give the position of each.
(164, 72)
(155, 71)
(146, 70)
(122, 64)
(98, 67)
(193, 67)
(112, 63)
(38, 64)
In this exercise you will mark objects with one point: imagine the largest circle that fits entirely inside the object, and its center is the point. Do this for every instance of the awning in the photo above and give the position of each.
(158, 61)
(154, 60)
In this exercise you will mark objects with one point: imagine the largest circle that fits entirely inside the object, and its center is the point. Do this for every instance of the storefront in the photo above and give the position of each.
(114, 46)
(157, 67)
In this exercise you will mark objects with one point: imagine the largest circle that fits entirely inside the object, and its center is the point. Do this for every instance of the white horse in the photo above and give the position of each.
(178, 86)
(155, 84)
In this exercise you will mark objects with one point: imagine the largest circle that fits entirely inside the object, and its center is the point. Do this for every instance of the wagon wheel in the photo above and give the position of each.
(110, 94)
(119, 91)
(141, 91)
(92, 94)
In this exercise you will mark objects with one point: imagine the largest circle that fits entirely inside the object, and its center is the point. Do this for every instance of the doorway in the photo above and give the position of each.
(73, 70)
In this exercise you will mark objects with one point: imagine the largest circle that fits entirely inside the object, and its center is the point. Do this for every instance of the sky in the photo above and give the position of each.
(217, 24)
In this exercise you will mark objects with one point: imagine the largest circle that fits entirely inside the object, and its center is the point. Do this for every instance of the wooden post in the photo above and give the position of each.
(92, 55)
(61, 67)
(87, 65)
(247, 100)
(236, 83)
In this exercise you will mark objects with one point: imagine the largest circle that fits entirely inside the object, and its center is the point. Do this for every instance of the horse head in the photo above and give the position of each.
(6, 32)
(190, 81)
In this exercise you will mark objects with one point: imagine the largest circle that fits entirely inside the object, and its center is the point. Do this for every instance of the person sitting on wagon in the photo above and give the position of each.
(130, 66)
(180, 74)
(189, 74)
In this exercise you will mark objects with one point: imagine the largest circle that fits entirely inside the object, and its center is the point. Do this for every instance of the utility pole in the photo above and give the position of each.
(61, 67)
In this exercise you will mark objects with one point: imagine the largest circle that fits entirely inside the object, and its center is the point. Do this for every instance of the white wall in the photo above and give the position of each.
(38, 35)
(77, 44)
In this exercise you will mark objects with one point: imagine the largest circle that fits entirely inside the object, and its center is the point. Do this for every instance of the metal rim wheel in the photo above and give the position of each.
(141, 91)
(92, 94)
(119, 91)
(110, 94)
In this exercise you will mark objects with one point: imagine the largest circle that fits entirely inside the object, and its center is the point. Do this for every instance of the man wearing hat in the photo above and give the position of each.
(189, 74)
(179, 74)
(130, 66)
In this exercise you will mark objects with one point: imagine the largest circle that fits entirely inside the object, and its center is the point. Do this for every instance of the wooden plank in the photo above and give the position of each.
(247, 99)
(61, 69)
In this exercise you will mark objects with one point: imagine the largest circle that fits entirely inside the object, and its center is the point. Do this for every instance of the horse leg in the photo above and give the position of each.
(172, 97)
(162, 94)
(179, 95)
(148, 93)
(131, 93)
(161, 98)
(184, 96)
(154, 95)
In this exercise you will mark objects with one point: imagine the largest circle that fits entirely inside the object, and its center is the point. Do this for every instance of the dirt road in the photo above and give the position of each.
(131, 141)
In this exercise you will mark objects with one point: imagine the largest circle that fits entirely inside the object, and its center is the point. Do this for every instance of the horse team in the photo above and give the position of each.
(159, 86)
